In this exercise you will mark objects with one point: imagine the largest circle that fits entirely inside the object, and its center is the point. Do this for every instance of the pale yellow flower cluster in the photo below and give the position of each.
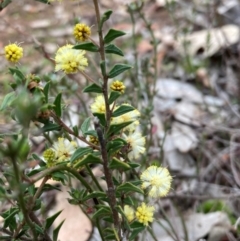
(62, 150)
(70, 60)
(158, 181)
(131, 134)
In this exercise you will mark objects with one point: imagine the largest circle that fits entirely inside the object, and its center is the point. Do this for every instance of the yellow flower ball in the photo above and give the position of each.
(144, 214)
(70, 60)
(13, 52)
(118, 86)
(81, 32)
(157, 180)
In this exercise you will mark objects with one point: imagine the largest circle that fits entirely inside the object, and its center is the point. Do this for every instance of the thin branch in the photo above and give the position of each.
(66, 128)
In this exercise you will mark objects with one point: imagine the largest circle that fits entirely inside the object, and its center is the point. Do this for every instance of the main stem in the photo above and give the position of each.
(102, 134)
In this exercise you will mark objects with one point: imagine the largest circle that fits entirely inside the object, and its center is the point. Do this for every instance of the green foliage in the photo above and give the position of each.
(123, 109)
(87, 46)
(57, 105)
(129, 187)
(88, 159)
(112, 34)
(8, 100)
(113, 49)
(94, 88)
(50, 220)
(80, 152)
(70, 152)
(119, 165)
(113, 96)
(56, 231)
(4, 3)
(118, 69)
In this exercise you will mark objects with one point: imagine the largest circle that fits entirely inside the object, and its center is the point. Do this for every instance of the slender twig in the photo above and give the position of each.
(34, 218)
(39, 190)
(88, 77)
(101, 134)
(21, 198)
(93, 41)
(108, 175)
(102, 54)
(93, 177)
(66, 128)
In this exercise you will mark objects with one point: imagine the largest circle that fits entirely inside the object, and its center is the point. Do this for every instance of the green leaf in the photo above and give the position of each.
(113, 49)
(102, 212)
(80, 152)
(129, 187)
(133, 165)
(118, 69)
(50, 220)
(85, 125)
(91, 133)
(114, 146)
(105, 17)
(75, 130)
(4, 4)
(118, 164)
(122, 110)
(101, 117)
(121, 140)
(7, 101)
(59, 176)
(114, 129)
(112, 34)
(120, 210)
(89, 46)
(57, 105)
(9, 216)
(136, 224)
(95, 194)
(51, 127)
(35, 171)
(137, 228)
(89, 159)
(113, 96)
(56, 231)
(46, 90)
(128, 201)
(94, 88)
(38, 229)
(43, 1)
(18, 75)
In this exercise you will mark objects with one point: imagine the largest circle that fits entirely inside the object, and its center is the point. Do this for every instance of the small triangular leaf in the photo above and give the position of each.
(113, 49)
(129, 187)
(122, 110)
(113, 96)
(89, 46)
(80, 152)
(56, 231)
(89, 159)
(112, 34)
(118, 69)
(94, 88)
(57, 105)
(119, 165)
(85, 125)
(50, 220)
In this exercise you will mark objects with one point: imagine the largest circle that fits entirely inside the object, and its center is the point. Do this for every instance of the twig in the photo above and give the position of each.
(65, 127)
(108, 175)
(232, 162)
